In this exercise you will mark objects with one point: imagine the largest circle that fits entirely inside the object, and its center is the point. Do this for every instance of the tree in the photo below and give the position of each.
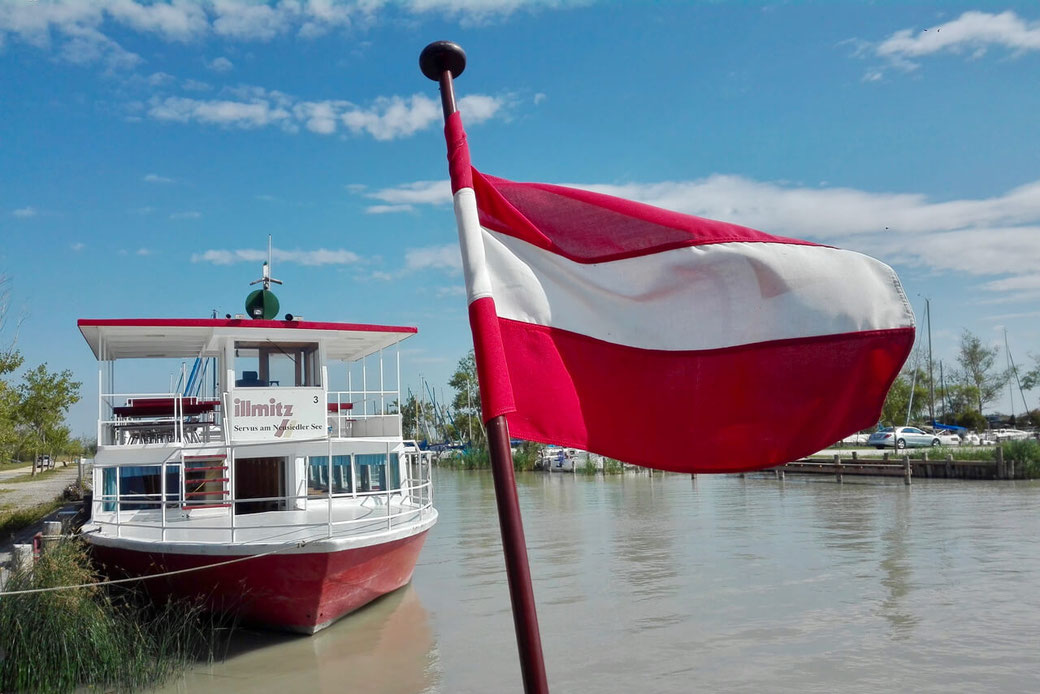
(976, 361)
(1031, 378)
(44, 399)
(897, 402)
(9, 361)
(466, 402)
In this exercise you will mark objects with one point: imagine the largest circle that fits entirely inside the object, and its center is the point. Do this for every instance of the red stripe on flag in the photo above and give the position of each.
(459, 168)
(591, 227)
(723, 410)
(496, 391)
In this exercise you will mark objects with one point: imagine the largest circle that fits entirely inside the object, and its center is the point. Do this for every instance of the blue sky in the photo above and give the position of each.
(147, 149)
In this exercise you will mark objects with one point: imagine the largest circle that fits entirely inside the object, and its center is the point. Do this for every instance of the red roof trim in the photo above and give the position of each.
(237, 323)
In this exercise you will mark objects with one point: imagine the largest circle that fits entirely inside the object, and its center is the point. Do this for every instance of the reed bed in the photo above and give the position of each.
(94, 637)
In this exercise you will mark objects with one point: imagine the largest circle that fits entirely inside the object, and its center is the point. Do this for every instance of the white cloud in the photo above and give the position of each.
(321, 256)
(388, 209)
(25, 212)
(190, 214)
(417, 193)
(81, 30)
(454, 290)
(156, 178)
(973, 34)
(78, 246)
(386, 118)
(445, 257)
(143, 251)
(997, 238)
(253, 114)
(190, 85)
(221, 64)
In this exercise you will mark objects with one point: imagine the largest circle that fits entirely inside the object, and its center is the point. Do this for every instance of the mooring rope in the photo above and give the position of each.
(112, 582)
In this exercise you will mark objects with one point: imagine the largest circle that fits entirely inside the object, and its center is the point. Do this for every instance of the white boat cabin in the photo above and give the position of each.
(251, 436)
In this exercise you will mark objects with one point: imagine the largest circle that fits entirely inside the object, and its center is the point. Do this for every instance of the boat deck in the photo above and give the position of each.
(351, 519)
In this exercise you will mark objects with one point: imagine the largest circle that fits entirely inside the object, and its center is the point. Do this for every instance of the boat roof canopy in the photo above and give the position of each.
(179, 338)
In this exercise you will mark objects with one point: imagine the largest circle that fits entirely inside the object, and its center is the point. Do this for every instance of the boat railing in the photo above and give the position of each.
(155, 515)
(359, 413)
(144, 418)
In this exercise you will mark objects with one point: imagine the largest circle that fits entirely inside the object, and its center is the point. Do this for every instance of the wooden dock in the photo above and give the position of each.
(901, 466)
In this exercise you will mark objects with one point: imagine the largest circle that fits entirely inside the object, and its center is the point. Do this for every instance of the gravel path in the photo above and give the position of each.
(20, 495)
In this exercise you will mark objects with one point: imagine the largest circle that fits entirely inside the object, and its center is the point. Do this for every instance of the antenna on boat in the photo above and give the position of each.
(262, 303)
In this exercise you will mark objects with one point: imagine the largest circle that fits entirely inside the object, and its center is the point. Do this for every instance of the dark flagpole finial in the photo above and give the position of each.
(441, 56)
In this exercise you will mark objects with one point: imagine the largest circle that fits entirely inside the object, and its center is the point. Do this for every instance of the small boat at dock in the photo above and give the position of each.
(254, 484)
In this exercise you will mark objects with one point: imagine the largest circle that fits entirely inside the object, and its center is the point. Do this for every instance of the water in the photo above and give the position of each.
(673, 584)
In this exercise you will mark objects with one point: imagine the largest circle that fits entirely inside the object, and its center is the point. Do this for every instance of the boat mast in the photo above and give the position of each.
(1014, 369)
(931, 379)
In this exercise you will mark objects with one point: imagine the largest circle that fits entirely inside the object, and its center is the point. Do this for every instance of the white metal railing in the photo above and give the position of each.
(159, 513)
(143, 418)
(354, 413)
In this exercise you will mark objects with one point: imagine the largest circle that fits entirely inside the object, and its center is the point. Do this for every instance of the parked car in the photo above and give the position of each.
(901, 437)
(947, 438)
(857, 439)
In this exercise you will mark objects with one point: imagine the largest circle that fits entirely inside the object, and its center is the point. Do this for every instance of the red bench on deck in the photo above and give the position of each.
(164, 407)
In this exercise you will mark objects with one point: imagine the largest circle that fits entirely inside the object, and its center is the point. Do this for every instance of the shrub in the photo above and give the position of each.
(1025, 453)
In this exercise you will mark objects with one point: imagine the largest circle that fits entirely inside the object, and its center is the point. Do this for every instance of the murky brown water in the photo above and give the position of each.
(718, 584)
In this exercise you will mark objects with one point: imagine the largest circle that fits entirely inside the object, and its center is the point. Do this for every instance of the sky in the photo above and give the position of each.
(148, 149)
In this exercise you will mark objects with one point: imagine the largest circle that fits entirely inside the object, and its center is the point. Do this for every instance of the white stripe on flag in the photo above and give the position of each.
(474, 265)
(699, 297)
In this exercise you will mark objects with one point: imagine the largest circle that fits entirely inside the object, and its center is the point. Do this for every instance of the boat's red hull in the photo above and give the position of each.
(296, 592)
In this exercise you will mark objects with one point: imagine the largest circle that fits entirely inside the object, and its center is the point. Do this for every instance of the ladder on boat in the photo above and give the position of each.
(206, 482)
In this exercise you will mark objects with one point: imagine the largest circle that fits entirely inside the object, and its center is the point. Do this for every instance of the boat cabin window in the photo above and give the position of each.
(139, 486)
(371, 473)
(286, 364)
(318, 474)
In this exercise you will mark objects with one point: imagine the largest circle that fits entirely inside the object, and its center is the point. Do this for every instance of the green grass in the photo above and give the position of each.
(12, 520)
(28, 477)
(1025, 454)
(4, 467)
(90, 638)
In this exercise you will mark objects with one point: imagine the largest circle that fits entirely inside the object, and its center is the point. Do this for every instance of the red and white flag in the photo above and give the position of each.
(663, 339)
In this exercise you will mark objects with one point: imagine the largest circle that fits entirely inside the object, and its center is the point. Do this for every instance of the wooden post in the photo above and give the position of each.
(837, 468)
(907, 470)
(949, 466)
(1001, 470)
(884, 458)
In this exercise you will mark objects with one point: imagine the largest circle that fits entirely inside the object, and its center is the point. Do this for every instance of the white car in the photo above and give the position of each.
(857, 439)
(901, 437)
(947, 438)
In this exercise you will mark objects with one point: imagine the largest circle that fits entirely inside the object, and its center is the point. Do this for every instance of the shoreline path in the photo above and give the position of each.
(15, 496)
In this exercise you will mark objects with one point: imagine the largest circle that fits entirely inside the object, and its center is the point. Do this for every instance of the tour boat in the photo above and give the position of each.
(252, 484)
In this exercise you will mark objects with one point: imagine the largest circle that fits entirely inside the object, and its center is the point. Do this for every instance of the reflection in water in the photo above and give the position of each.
(896, 567)
(718, 584)
(386, 647)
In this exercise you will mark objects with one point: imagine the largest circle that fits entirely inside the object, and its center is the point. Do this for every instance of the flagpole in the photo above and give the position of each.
(442, 61)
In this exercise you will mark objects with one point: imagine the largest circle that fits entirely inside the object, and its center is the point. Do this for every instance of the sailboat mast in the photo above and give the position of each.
(1014, 370)
(931, 378)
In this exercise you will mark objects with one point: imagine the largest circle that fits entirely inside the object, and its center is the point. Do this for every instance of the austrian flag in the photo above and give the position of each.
(664, 339)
